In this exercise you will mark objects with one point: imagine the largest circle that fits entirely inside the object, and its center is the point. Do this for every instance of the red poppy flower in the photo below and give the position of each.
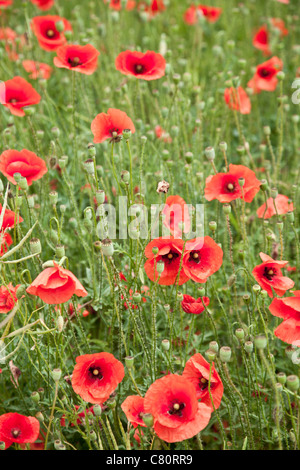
(176, 216)
(18, 428)
(278, 23)
(133, 407)
(190, 15)
(286, 2)
(5, 3)
(43, 4)
(202, 258)
(162, 134)
(44, 28)
(225, 186)
(268, 275)
(283, 205)
(287, 308)
(96, 376)
(261, 40)
(9, 219)
(153, 9)
(37, 69)
(27, 163)
(211, 14)
(265, 76)
(172, 401)
(16, 94)
(5, 242)
(39, 444)
(8, 36)
(116, 4)
(8, 297)
(56, 285)
(237, 99)
(197, 371)
(146, 66)
(83, 59)
(191, 305)
(111, 125)
(80, 417)
(170, 252)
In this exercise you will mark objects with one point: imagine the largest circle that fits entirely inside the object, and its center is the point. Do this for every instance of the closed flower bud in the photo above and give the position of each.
(97, 410)
(165, 344)
(213, 346)
(35, 246)
(40, 417)
(60, 26)
(17, 177)
(107, 247)
(155, 250)
(248, 347)
(35, 397)
(93, 435)
(225, 353)
(53, 198)
(148, 420)
(231, 280)
(292, 383)
(2, 445)
(129, 361)
(56, 375)
(54, 236)
(260, 342)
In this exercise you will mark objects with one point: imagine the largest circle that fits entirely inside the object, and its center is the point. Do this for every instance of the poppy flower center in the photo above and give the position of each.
(74, 62)
(170, 257)
(50, 33)
(269, 273)
(13, 101)
(203, 383)
(95, 373)
(139, 68)
(176, 409)
(15, 432)
(195, 257)
(265, 73)
(231, 187)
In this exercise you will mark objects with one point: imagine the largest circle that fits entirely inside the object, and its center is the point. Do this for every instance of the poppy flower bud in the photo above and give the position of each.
(91, 149)
(281, 378)
(97, 409)
(60, 323)
(89, 166)
(129, 361)
(73, 222)
(213, 346)
(2, 445)
(290, 216)
(274, 193)
(210, 153)
(28, 110)
(148, 420)
(93, 435)
(248, 347)
(55, 131)
(53, 197)
(155, 250)
(256, 289)
(17, 177)
(189, 157)
(56, 444)
(107, 247)
(160, 266)
(127, 134)
(40, 417)
(165, 344)
(35, 246)
(100, 196)
(239, 333)
(226, 209)
(111, 403)
(210, 355)
(260, 341)
(267, 130)
(225, 353)
(35, 397)
(56, 375)
(125, 176)
(59, 25)
(20, 291)
(292, 383)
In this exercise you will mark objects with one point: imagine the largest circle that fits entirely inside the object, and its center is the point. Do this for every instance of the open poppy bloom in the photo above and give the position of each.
(27, 163)
(269, 275)
(8, 297)
(237, 98)
(195, 306)
(15, 427)
(265, 76)
(116, 4)
(194, 12)
(83, 59)
(146, 66)
(225, 187)
(8, 36)
(261, 40)
(287, 308)
(44, 28)
(202, 258)
(197, 371)
(283, 205)
(56, 286)
(169, 251)
(5, 3)
(162, 134)
(37, 69)
(16, 94)
(9, 219)
(133, 407)
(153, 9)
(172, 401)
(43, 4)
(111, 126)
(176, 216)
(96, 376)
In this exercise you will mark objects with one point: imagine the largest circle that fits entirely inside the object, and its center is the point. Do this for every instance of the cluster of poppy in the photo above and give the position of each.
(261, 39)
(288, 308)
(8, 222)
(194, 12)
(41, 4)
(151, 9)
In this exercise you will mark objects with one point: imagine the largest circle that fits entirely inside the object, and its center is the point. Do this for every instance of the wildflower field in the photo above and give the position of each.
(149, 231)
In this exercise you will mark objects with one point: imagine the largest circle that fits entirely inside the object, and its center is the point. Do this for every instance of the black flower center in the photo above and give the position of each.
(264, 73)
(95, 373)
(230, 187)
(15, 432)
(203, 383)
(50, 33)
(269, 273)
(176, 409)
(170, 257)
(139, 68)
(195, 257)
(74, 62)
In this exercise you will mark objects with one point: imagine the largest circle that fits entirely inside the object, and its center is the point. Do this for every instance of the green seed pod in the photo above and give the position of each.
(107, 247)
(59, 251)
(274, 193)
(281, 378)
(54, 236)
(256, 289)
(248, 347)
(93, 435)
(240, 334)
(246, 298)
(129, 361)
(267, 130)
(260, 342)
(60, 323)
(53, 198)
(223, 146)
(210, 153)
(35, 246)
(226, 209)
(148, 420)
(212, 226)
(35, 396)
(56, 375)
(213, 346)
(137, 297)
(91, 149)
(292, 383)
(225, 353)
(97, 410)
(160, 266)
(165, 344)
(89, 166)
(40, 417)
(210, 355)
(2, 445)
(100, 196)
